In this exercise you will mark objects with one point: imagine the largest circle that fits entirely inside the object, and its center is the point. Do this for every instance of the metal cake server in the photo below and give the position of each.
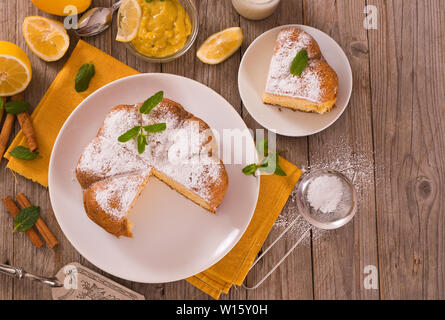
(76, 282)
(20, 273)
(96, 20)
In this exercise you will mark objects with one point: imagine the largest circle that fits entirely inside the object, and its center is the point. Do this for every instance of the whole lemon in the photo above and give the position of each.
(57, 6)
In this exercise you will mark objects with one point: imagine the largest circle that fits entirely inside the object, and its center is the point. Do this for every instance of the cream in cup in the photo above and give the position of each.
(255, 9)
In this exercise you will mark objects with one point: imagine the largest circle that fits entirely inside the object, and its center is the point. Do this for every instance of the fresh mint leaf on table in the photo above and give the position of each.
(151, 102)
(26, 218)
(138, 131)
(299, 63)
(270, 160)
(16, 107)
(23, 153)
(83, 77)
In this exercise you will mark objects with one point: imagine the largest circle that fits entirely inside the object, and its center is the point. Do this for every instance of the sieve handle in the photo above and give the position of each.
(282, 259)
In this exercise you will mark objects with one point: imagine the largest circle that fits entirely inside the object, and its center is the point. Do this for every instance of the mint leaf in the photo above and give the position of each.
(23, 153)
(152, 102)
(142, 142)
(130, 134)
(83, 77)
(2, 103)
(26, 218)
(16, 107)
(157, 127)
(250, 169)
(299, 63)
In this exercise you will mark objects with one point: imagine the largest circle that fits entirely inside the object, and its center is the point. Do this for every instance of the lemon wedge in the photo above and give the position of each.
(47, 38)
(15, 69)
(128, 20)
(220, 46)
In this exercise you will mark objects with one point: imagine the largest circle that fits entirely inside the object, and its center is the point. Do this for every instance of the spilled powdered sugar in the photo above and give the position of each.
(356, 165)
(281, 82)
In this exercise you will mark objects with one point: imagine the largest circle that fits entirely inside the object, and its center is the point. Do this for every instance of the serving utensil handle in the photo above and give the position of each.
(20, 273)
(255, 286)
(116, 5)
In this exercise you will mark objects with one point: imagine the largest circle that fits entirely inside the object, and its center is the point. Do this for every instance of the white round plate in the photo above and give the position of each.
(173, 237)
(252, 79)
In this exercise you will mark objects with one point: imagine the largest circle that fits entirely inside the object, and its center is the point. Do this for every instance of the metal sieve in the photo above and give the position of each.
(344, 213)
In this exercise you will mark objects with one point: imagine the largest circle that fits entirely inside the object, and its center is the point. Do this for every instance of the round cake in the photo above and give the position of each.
(184, 156)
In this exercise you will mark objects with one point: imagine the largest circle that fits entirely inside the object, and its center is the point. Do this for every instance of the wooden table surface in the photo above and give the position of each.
(390, 141)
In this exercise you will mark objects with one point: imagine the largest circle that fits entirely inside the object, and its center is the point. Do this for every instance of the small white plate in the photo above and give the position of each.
(252, 79)
(173, 237)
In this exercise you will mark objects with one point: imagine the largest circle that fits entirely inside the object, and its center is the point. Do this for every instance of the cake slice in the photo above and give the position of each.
(315, 90)
(113, 173)
(109, 201)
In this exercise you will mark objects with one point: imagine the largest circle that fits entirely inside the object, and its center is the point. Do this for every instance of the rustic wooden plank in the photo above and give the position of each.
(7, 30)
(43, 261)
(407, 67)
(292, 280)
(406, 64)
(339, 258)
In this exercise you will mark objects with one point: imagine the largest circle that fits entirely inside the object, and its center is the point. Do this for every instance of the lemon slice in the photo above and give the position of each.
(45, 37)
(220, 46)
(15, 69)
(128, 20)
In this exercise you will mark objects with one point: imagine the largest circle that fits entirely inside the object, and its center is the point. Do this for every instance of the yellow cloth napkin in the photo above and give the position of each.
(233, 268)
(61, 99)
(58, 103)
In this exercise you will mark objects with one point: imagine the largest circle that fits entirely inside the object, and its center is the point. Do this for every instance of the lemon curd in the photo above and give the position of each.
(164, 29)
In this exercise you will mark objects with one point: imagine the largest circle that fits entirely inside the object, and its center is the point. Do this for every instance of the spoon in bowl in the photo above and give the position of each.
(96, 20)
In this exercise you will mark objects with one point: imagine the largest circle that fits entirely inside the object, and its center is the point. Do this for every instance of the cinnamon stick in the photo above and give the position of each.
(6, 132)
(27, 127)
(41, 226)
(14, 211)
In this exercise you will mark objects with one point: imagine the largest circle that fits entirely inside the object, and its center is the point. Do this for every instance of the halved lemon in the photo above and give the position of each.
(58, 7)
(220, 46)
(45, 37)
(15, 69)
(128, 20)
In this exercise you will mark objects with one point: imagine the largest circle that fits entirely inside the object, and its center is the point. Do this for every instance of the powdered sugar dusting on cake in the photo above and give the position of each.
(177, 152)
(104, 157)
(191, 165)
(281, 82)
(120, 120)
(198, 173)
(117, 196)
